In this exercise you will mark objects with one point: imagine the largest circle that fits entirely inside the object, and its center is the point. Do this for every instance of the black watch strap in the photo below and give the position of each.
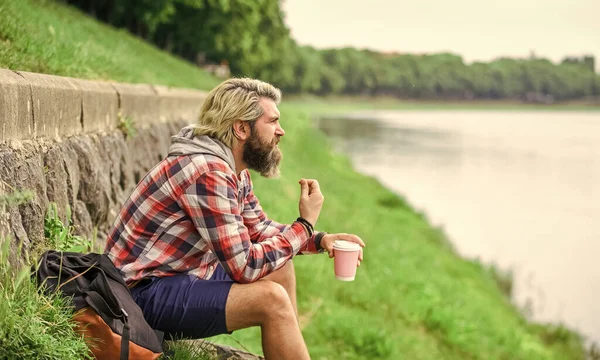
(318, 239)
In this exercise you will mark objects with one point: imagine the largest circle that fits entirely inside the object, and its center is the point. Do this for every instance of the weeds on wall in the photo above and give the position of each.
(16, 198)
(60, 236)
(126, 125)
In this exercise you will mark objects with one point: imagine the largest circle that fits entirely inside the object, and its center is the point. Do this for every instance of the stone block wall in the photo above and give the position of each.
(60, 139)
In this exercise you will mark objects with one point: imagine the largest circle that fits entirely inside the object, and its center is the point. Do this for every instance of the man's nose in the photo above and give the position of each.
(279, 131)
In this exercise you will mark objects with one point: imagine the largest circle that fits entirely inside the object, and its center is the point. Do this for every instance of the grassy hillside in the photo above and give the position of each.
(45, 37)
(413, 297)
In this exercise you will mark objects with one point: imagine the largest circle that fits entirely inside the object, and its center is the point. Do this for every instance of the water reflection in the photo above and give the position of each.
(518, 189)
(367, 141)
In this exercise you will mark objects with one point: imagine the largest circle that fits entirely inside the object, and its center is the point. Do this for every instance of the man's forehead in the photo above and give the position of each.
(269, 108)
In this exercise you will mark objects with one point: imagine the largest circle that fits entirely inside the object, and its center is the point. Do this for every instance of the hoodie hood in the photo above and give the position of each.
(185, 143)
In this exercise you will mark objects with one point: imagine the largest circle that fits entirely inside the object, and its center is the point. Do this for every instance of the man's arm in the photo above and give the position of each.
(212, 204)
(260, 227)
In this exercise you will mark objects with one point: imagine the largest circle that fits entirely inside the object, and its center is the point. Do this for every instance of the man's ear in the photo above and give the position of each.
(241, 129)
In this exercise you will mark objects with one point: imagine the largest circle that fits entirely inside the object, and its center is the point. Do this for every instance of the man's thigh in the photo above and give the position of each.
(185, 306)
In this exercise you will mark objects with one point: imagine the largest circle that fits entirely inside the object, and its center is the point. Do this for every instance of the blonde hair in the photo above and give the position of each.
(233, 99)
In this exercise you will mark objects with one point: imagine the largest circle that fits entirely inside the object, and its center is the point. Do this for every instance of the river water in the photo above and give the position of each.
(517, 189)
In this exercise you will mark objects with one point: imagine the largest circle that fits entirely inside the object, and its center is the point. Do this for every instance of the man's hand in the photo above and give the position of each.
(328, 240)
(311, 200)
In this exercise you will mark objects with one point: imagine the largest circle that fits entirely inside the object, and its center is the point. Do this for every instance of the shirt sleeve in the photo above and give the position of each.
(212, 204)
(260, 227)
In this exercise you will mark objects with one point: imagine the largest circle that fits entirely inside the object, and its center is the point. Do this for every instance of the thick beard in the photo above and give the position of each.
(262, 157)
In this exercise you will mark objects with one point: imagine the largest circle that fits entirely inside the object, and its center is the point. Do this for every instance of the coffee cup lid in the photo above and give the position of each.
(345, 245)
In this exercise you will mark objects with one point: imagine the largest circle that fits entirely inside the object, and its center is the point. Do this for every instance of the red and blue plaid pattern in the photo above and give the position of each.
(191, 212)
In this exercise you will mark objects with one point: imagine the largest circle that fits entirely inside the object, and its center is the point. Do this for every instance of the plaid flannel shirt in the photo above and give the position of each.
(190, 213)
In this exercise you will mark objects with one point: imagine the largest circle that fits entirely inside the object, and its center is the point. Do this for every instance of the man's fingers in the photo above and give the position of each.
(351, 237)
(303, 188)
(360, 256)
(314, 184)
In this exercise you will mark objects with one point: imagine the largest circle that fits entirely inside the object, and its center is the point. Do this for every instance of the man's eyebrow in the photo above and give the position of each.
(275, 117)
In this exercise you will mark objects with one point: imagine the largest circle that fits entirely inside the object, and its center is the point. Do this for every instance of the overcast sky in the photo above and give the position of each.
(475, 29)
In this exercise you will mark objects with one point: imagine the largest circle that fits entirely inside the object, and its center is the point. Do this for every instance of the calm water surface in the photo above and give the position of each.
(519, 189)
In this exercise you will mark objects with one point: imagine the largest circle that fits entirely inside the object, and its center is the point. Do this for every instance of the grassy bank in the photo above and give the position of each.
(413, 297)
(41, 36)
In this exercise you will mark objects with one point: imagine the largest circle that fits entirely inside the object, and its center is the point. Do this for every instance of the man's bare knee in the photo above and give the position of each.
(277, 304)
(256, 303)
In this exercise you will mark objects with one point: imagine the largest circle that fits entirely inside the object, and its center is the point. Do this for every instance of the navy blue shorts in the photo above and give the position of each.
(185, 306)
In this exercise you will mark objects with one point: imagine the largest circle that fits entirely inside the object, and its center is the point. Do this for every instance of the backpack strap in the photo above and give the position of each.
(99, 304)
(125, 337)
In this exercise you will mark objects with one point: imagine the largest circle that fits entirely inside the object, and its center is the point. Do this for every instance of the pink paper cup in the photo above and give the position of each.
(345, 259)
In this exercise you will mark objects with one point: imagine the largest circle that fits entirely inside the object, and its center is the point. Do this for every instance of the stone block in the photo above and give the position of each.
(56, 105)
(100, 103)
(179, 104)
(82, 221)
(71, 164)
(4, 218)
(16, 121)
(57, 183)
(139, 102)
(29, 175)
(94, 185)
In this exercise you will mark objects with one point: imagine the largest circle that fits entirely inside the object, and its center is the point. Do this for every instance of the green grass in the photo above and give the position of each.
(41, 36)
(33, 325)
(187, 350)
(413, 298)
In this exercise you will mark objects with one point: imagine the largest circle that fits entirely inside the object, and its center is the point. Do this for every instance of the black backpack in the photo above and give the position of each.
(112, 323)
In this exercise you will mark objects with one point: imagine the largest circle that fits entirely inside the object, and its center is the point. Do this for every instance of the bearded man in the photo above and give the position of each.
(192, 241)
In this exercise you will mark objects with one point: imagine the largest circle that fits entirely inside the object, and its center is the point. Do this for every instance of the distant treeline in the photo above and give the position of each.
(252, 38)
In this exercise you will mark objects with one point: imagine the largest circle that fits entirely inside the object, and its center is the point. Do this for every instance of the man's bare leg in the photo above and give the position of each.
(286, 277)
(266, 304)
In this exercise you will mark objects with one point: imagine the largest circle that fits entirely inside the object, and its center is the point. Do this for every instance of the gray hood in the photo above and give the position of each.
(185, 143)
